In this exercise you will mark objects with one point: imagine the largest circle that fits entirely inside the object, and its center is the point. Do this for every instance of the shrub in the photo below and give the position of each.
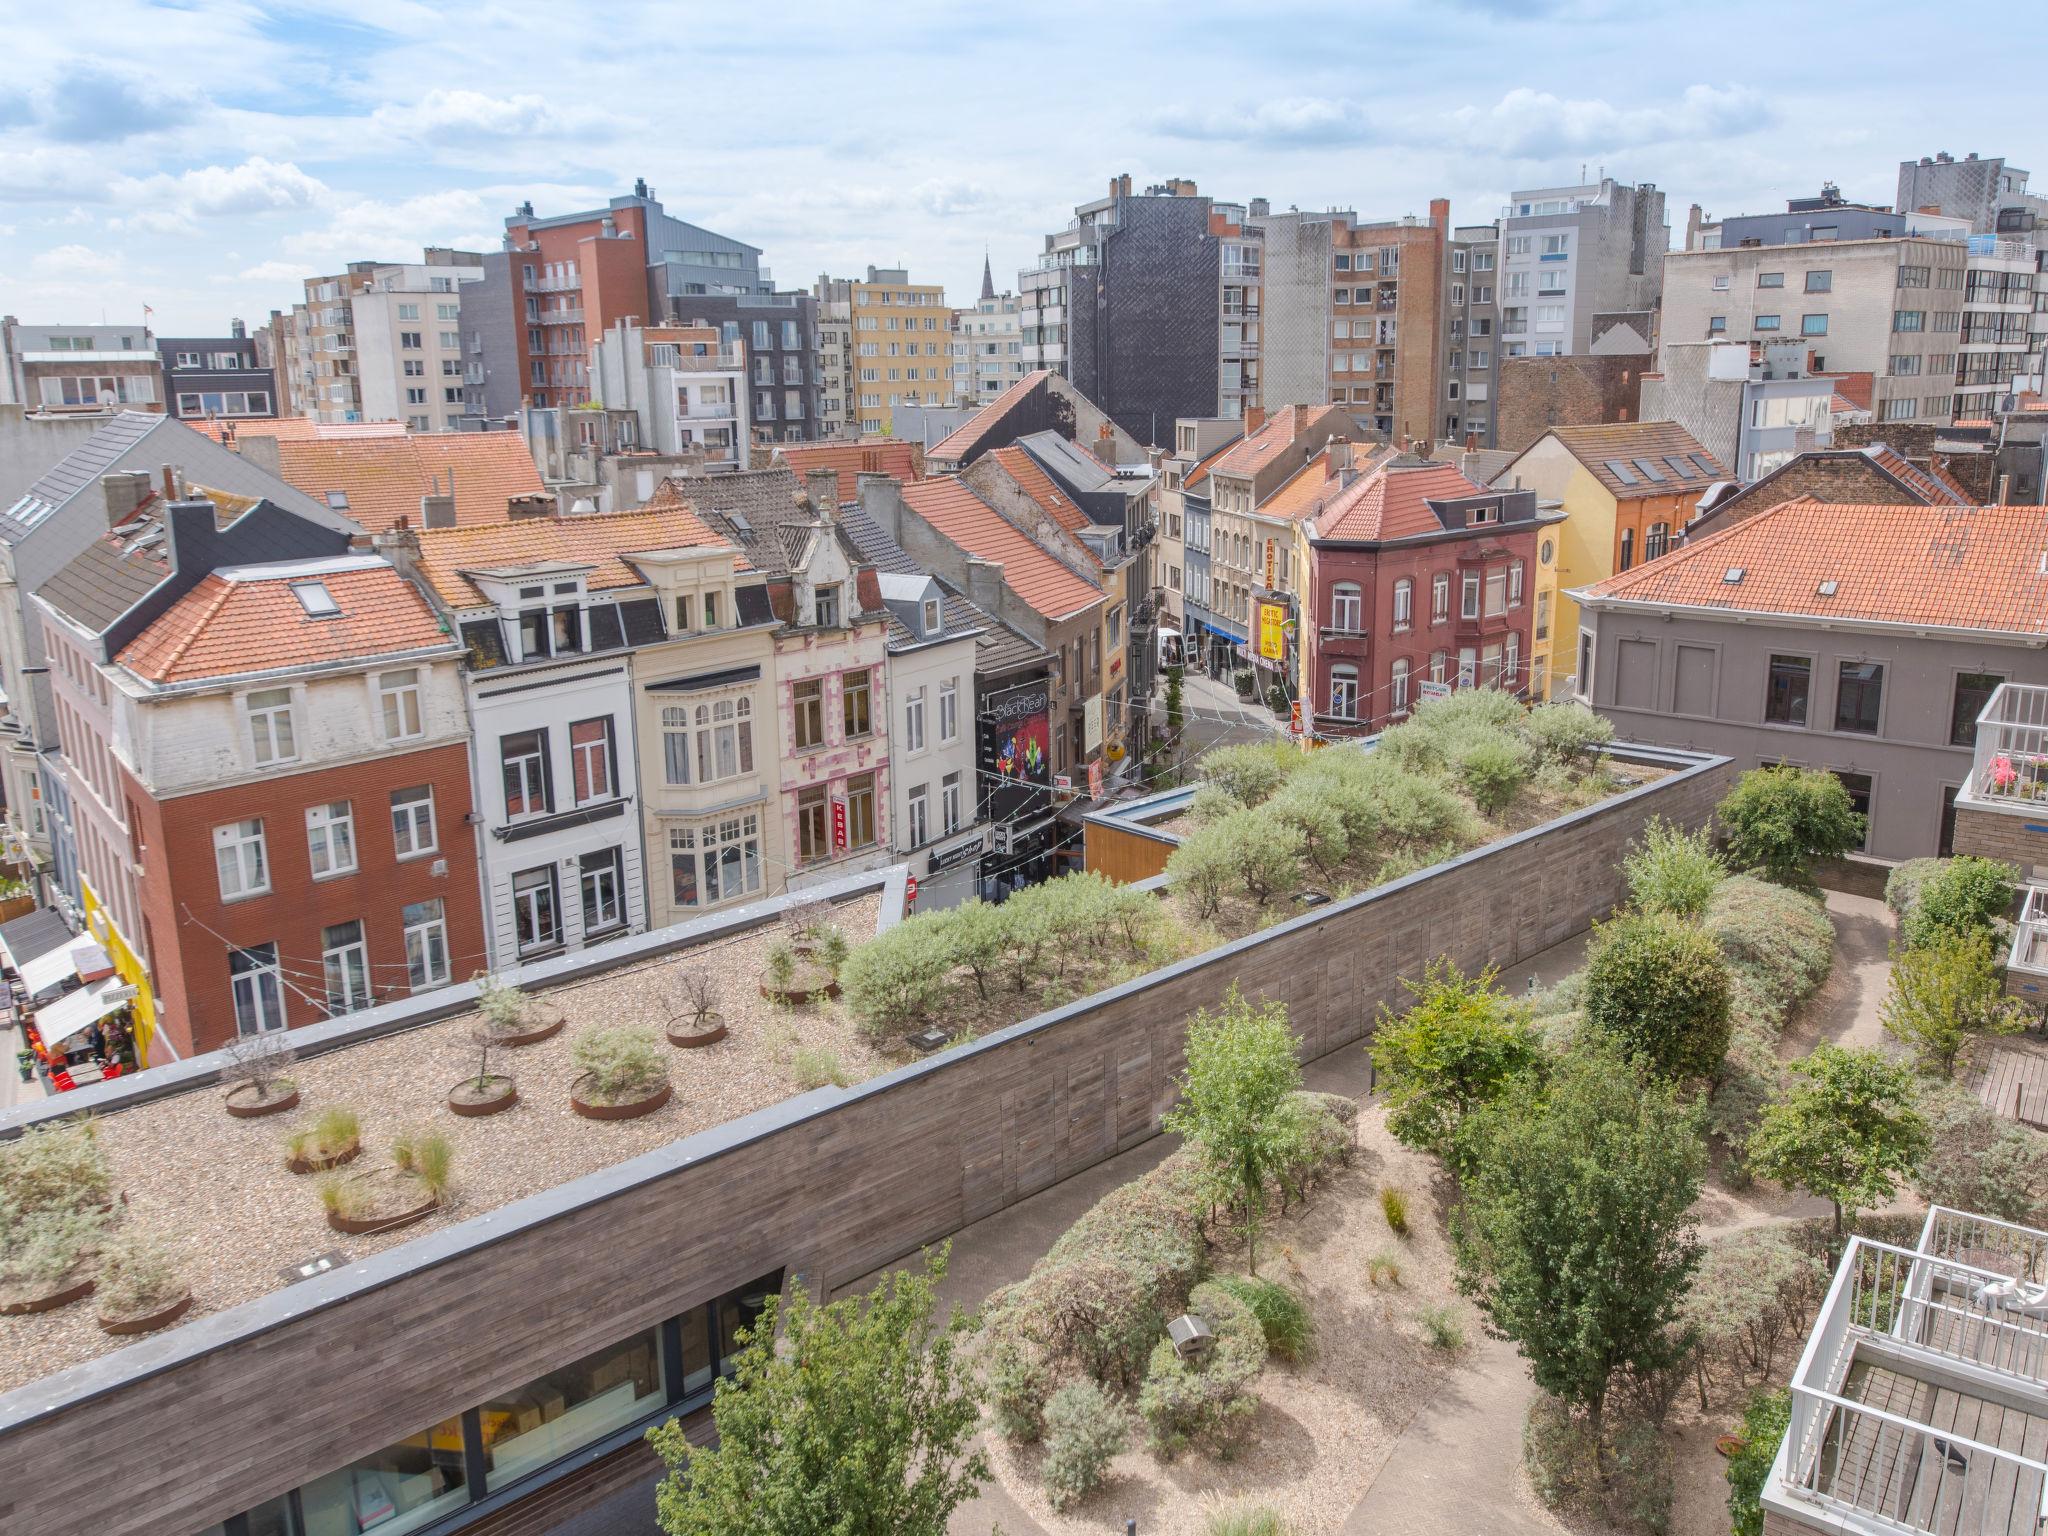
(1492, 768)
(1779, 941)
(619, 1064)
(1251, 773)
(1212, 802)
(815, 1066)
(502, 1003)
(1778, 819)
(331, 1131)
(1944, 993)
(1567, 733)
(39, 1249)
(1383, 1269)
(1264, 852)
(54, 1168)
(342, 1195)
(831, 950)
(1015, 1372)
(1314, 1133)
(1672, 870)
(1659, 988)
(1629, 1487)
(1764, 1423)
(1453, 1049)
(1420, 812)
(1245, 1520)
(137, 1275)
(1980, 1161)
(893, 983)
(428, 1156)
(1444, 1329)
(1283, 1317)
(1394, 1206)
(1753, 1292)
(780, 966)
(1084, 1430)
(1317, 825)
(1902, 885)
(1961, 898)
(1205, 867)
(1198, 1401)
(260, 1062)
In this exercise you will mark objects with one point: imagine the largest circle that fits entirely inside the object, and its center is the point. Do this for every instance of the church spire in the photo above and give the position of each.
(988, 280)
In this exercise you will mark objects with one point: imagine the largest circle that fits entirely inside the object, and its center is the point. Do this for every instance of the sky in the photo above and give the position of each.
(202, 158)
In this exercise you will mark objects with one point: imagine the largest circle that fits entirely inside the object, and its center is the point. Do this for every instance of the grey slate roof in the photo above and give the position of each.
(997, 647)
(78, 469)
(773, 518)
(107, 578)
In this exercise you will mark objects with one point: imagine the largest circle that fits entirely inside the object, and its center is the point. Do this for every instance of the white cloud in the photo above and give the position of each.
(474, 114)
(256, 185)
(1288, 120)
(275, 272)
(76, 261)
(1536, 124)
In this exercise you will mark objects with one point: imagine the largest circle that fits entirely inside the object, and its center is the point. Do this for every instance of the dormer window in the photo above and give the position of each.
(1486, 514)
(337, 501)
(931, 616)
(566, 630)
(827, 608)
(683, 613)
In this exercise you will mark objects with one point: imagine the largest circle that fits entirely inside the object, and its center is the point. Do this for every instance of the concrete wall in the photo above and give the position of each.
(1294, 339)
(832, 1183)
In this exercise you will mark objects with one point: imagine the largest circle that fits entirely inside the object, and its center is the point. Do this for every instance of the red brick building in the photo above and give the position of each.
(298, 799)
(1417, 577)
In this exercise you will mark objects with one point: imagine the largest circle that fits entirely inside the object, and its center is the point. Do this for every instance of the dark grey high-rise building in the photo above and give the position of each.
(780, 331)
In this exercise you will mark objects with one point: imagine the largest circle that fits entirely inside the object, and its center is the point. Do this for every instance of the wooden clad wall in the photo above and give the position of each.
(833, 1187)
(1125, 854)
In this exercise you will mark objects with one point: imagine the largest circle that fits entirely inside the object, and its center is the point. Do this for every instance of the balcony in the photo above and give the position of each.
(570, 282)
(1920, 1403)
(2009, 764)
(560, 316)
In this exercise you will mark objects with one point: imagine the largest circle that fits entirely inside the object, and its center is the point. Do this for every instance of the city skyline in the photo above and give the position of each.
(319, 134)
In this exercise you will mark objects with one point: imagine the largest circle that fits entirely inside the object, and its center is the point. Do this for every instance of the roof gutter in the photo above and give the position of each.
(448, 650)
(1805, 620)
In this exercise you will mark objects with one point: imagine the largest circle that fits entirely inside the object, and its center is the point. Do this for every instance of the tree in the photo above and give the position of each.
(1846, 1130)
(1945, 992)
(1241, 1067)
(263, 1062)
(1574, 1238)
(856, 1422)
(1777, 819)
(1672, 870)
(1764, 1423)
(1959, 898)
(1454, 1050)
(1658, 987)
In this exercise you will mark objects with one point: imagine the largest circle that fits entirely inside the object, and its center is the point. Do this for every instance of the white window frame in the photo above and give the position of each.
(1347, 607)
(273, 737)
(410, 818)
(1440, 598)
(1344, 692)
(527, 898)
(426, 943)
(241, 859)
(949, 710)
(401, 706)
(331, 839)
(1468, 595)
(913, 721)
(918, 823)
(594, 758)
(949, 803)
(1404, 603)
(1399, 690)
(258, 990)
(607, 880)
(345, 969)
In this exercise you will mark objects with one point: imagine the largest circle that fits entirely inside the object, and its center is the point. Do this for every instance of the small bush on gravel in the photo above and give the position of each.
(1245, 1520)
(503, 1005)
(1567, 733)
(1633, 1493)
(54, 1168)
(1492, 769)
(137, 1276)
(1764, 1423)
(1960, 898)
(1450, 1051)
(1283, 1316)
(1672, 870)
(893, 983)
(1383, 1269)
(1444, 1329)
(428, 1156)
(1199, 1401)
(39, 1249)
(329, 1132)
(1084, 1430)
(1251, 773)
(1659, 988)
(1394, 1206)
(815, 1066)
(620, 1064)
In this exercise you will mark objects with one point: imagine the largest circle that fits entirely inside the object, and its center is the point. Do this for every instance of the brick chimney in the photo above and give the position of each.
(126, 489)
(985, 584)
(400, 545)
(518, 507)
(822, 485)
(1254, 418)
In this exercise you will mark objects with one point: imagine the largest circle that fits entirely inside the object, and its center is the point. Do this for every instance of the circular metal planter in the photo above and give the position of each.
(148, 1322)
(383, 1221)
(684, 1037)
(77, 1290)
(632, 1111)
(347, 1154)
(256, 1109)
(532, 1036)
(803, 988)
(474, 1107)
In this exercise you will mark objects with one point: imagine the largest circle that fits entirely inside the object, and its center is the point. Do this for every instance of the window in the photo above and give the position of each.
(1820, 282)
(426, 944)
(409, 340)
(1496, 593)
(1770, 279)
(1656, 539)
(860, 811)
(241, 858)
(710, 610)
(1767, 322)
(920, 830)
(1909, 319)
(331, 838)
(565, 630)
(1512, 662)
(1859, 696)
(258, 990)
(1468, 601)
(949, 802)
(949, 710)
(1787, 685)
(400, 1488)
(1717, 325)
(807, 715)
(1858, 786)
(855, 700)
(813, 838)
(1399, 691)
(536, 915)
(1468, 666)
(913, 723)
(1344, 692)
(602, 876)
(591, 773)
(523, 758)
(1973, 692)
(346, 963)
(1628, 548)
(1905, 365)
(400, 693)
(1515, 585)
(1914, 277)
(1439, 598)
(576, 1405)
(725, 740)
(1813, 325)
(828, 608)
(1347, 610)
(1542, 615)
(716, 861)
(270, 726)
(1404, 604)
(931, 616)
(412, 821)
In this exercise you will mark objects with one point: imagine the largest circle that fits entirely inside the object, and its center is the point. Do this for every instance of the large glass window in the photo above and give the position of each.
(603, 881)
(856, 701)
(524, 760)
(675, 743)
(571, 1407)
(716, 860)
(1344, 692)
(1859, 696)
(1347, 605)
(270, 726)
(412, 820)
(259, 996)
(860, 811)
(1973, 692)
(426, 943)
(813, 841)
(241, 859)
(331, 838)
(536, 917)
(1787, 686)
(346, 962)
(590, 759)
(807, 714)
(397, 1489)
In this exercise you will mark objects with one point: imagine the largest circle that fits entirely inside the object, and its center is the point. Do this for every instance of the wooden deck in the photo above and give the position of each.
(2013, 1081)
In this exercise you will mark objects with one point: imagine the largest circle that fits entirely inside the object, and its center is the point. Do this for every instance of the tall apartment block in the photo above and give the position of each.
(1568, 254)
(838, 415)
(381, 341)
(1470, 405)
(1353, 315)
(902, 345)
(988, 344)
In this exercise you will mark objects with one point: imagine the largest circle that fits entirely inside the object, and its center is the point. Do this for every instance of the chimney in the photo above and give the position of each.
(822, 485)
(1254, 418)
(882, 499)
(437, 509)
(400, 545)
(1440, 215)
(1471, 442)
(1339, 460)
(126, 489)
(2004, 490)
(985, 584)
(169, 487)
(519, 507)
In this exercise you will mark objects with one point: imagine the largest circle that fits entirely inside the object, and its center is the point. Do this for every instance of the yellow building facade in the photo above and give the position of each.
(902, 347)
(129, 966)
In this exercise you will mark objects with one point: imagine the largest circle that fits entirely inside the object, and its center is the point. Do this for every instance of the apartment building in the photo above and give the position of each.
(1183, 550)
(1752, 407)
(685, 386)
(902, 345)
(79, 367)
(1471, 337)
(217, 378)
(837, 414)
(987, 344)
(1569, 254)
(780, 334)
(1987, 192)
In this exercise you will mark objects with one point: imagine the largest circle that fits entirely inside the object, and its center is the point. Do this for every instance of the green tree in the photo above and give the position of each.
(1241, 1067)
(1779, 819)
(1945, 992)
(1454, 1049)
(1847, 1129)
(1574, 1238)
(1764, 1423)
(1959, 898)
(856, 1423)
(1658, 986)
(1672, 870)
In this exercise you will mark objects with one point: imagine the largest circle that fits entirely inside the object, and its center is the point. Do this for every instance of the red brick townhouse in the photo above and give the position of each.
(298, 797)
(1417, 576)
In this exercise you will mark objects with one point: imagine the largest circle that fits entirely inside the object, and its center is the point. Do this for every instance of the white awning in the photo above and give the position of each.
(60, 964)
(74, 1011)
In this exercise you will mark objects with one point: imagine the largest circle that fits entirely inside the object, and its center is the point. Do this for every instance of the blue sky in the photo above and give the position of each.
(202, 157)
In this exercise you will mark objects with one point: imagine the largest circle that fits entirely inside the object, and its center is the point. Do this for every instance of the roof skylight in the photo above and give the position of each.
(314, 597)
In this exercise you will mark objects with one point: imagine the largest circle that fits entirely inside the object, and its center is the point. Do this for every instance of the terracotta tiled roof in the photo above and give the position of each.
(1248, 455)
(1390, 503)
(892, 456)
(965, 438)
(1038, 485)
(1924, 566)
(385, 477)
(249, 619)
(1929, 486)
(597, 539)
(1856, 388)
(1200, 470)
(296, 428)
(1035, 576)
(1664, 445)
(1313, 487)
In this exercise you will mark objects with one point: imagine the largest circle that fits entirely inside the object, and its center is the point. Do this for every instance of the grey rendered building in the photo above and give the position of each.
(1568, 254)
(1859, 639)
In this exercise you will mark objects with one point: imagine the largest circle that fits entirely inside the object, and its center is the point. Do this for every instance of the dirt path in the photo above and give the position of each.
(1845, 1011)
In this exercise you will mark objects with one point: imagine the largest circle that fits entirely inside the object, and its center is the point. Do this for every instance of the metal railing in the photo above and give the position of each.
(2029, 952)
(1985, 1242)
(2009, 765)
(561, 316)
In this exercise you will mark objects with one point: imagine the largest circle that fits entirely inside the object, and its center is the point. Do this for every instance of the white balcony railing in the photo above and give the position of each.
(2009, 765)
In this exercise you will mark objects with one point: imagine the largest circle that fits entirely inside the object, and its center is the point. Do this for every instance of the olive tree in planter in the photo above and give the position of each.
(695, 1019)
(255, 1072)
(484, 1092)
(515, 1017)
(382, 1199)
(796, 975)
(140, 1288)
(56, 1195)
(621, 1074)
